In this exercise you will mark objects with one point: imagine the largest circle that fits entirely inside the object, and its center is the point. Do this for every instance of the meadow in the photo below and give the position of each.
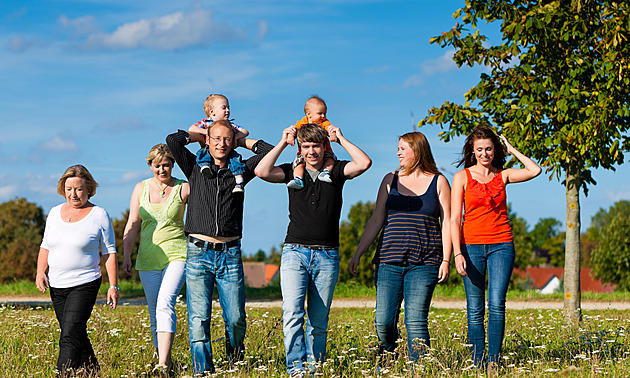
(537, 343)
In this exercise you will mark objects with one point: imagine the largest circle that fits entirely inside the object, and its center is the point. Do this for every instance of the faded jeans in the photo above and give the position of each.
(206, 267)
(307, 272)
(414, 284)
(498, 260)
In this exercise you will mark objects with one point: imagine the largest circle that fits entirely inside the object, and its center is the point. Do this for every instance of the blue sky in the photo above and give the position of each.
(100, 82)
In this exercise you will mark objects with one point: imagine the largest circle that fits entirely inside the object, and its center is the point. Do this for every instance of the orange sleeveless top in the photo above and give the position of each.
(485, 212)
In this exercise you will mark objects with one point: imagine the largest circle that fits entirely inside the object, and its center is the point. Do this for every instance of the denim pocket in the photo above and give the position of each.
(332, 254)
(193, 251)
(234, 253)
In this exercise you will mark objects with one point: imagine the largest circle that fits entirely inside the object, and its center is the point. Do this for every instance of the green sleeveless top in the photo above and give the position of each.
(162, 238)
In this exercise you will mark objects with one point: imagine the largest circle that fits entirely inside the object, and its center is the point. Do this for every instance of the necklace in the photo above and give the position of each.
(75, 214)
(162, 191)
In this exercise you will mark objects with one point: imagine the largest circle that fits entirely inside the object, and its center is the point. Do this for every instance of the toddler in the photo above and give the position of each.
(217, 108)
(315, 110)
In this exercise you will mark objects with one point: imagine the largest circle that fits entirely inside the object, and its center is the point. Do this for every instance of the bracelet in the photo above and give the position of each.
(459, 254)
(446, 261)
(115, 288)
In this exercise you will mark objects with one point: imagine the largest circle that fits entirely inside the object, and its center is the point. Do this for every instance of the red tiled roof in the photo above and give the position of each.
(540, 277)
(258, 274)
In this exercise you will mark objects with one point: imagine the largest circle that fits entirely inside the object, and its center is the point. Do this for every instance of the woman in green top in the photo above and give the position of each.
(157, 211)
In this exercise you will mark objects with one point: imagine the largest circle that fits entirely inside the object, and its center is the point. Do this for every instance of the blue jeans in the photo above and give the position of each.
(235, 161)
(498, 260)
(414, 284)
(312, 274)
(204, 268)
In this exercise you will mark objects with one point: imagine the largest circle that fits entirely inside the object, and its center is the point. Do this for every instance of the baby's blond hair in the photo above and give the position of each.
(209, 103)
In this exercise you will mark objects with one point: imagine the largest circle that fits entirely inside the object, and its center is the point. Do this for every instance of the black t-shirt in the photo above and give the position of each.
(314, 210)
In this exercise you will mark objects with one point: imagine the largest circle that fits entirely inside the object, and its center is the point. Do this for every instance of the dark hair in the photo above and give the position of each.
(423, 158)
(311, 132)
(468, 155)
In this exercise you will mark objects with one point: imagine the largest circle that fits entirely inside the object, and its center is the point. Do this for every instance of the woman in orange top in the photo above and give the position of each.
(485, 241)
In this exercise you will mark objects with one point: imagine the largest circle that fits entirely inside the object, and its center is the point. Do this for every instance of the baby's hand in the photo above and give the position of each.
(291, 139)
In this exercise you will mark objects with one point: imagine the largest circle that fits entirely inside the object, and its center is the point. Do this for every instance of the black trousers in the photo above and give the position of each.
(73, 307)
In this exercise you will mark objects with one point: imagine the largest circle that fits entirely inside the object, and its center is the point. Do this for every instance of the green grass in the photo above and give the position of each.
(537, 343)
(343, 290)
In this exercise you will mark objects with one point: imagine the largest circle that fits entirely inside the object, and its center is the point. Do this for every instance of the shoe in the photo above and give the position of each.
(160, 370)
(324, 176)
(239, 188)
(296, 183)
(493, 369)
(297, 374)
(207, 171)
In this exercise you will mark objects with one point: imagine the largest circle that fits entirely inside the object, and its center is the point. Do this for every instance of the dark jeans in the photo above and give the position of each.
(73, 307)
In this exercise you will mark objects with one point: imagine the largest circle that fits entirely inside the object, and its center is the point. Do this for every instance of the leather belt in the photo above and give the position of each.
(200, 243)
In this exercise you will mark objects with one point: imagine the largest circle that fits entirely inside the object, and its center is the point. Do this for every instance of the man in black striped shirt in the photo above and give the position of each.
(214, 223)
(310, 256)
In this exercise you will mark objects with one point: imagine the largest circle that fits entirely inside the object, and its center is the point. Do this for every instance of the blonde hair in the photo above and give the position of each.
(422, 156)
(80, 172)
(159, 152)
(314, 99)
(209, 102)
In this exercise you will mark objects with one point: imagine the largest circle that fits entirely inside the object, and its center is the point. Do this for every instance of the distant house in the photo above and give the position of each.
(259, 274)
(548, 280)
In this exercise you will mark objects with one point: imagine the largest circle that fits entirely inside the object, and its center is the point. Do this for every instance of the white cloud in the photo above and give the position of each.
(442, 64)
(8, 192)
(60, 143)
(21, 43)
(79, 26)
(415, 80)
(374, 70)
(263, 29)
(173, 31)
(620, 193)
(133, 176)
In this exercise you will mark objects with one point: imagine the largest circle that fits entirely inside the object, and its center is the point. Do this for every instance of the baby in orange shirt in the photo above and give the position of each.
(315, 110)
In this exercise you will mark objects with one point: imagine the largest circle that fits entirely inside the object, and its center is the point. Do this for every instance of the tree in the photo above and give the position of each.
(555, 86)
(611, 257)
(548, 241)
(350, 233)
(21, 232)
(599, 221)
(119, 232)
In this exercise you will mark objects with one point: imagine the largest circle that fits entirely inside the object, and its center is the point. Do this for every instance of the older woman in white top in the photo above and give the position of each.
(75, 233)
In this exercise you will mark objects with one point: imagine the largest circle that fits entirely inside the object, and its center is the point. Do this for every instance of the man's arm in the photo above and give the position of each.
(360, 161)
(177, 144)
(266, 169)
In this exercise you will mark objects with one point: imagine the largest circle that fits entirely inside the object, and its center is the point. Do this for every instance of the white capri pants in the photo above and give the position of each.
(161, 287)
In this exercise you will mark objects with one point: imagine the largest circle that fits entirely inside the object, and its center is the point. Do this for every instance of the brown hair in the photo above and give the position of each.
(159, 152)
(209, 102)
(482, 132)
(311, 132)
(313, 99)
(80, 172)
(422, 156)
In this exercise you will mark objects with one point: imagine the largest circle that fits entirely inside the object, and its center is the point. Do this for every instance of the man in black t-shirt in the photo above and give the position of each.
(310, 257)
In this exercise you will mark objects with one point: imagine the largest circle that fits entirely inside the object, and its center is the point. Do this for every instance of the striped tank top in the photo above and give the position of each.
(412, 232)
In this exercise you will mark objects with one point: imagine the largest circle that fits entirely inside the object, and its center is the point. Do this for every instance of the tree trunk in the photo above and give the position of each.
(572, 293)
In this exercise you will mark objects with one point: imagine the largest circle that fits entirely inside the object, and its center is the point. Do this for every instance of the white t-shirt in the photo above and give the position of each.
(73, 248)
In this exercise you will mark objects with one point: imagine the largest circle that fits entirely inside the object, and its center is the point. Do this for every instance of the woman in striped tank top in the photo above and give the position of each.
(484, 241)
(414, 249)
